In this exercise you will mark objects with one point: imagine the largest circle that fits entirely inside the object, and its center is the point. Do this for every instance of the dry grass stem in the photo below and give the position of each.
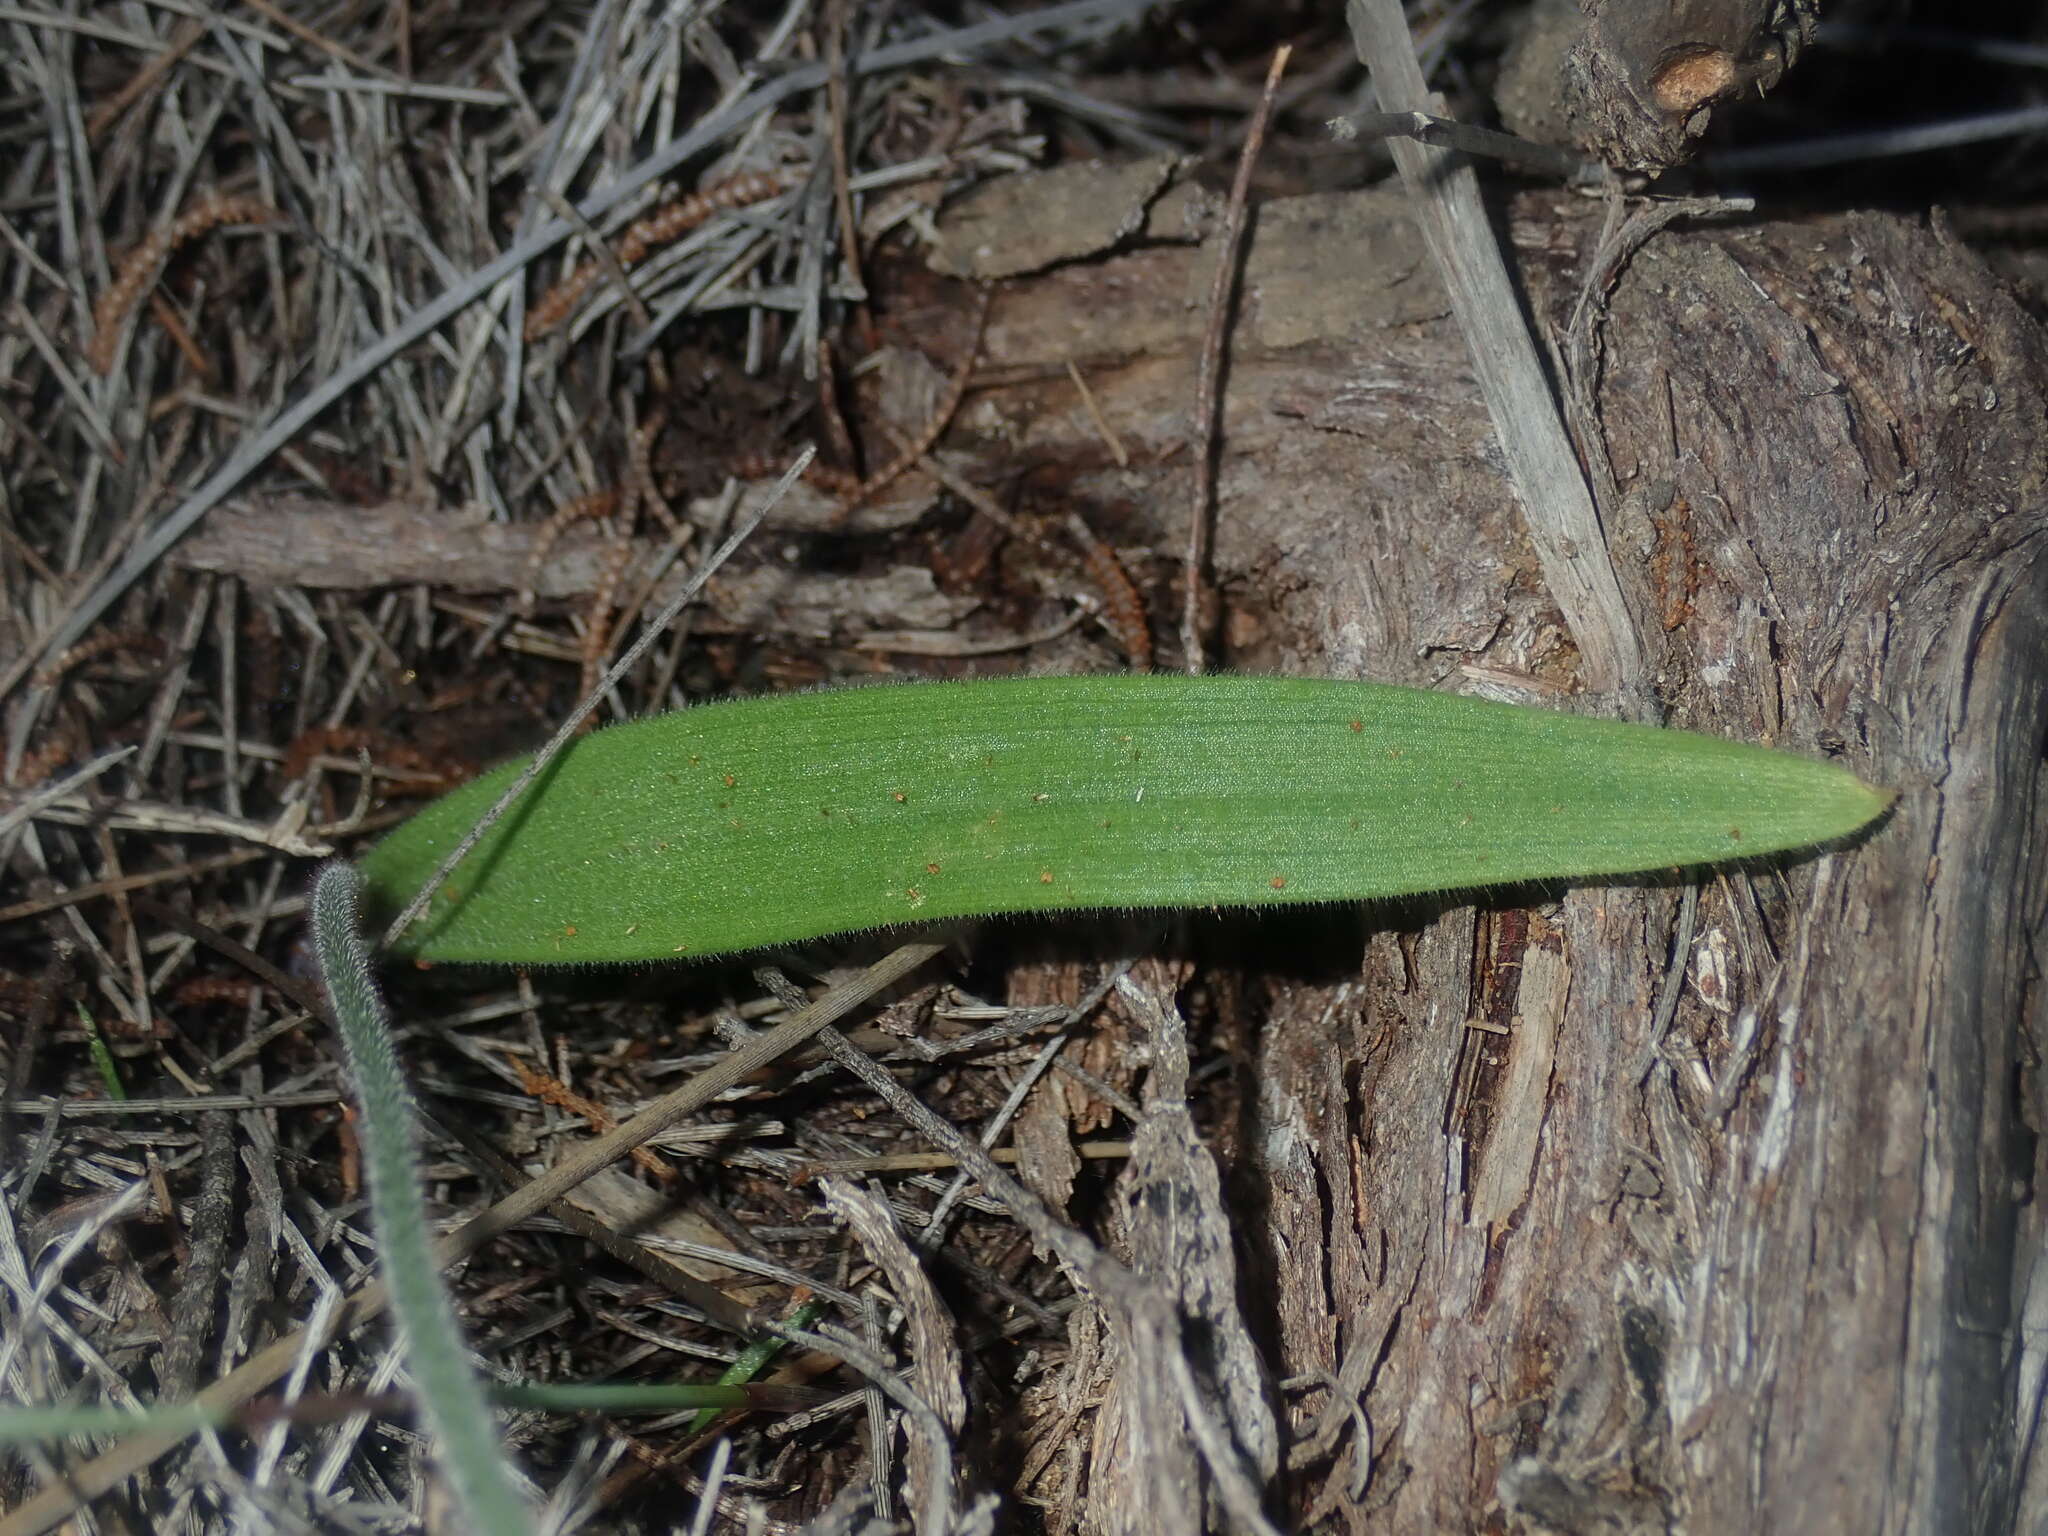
(1556, 499)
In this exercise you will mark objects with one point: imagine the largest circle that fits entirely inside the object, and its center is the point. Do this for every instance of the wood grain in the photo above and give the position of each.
(1771, 1249)
(1769, 1259)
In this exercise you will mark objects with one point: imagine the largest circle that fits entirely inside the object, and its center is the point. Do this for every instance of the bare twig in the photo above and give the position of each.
(1449, 133)
(1209, 377)
(42, 797)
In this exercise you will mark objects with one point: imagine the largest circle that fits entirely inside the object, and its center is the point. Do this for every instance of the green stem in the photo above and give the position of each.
(755, 1357)
(451, 1398)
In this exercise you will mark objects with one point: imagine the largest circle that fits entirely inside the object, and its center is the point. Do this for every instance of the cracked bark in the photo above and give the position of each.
(1733, 1254)
(1635, 82)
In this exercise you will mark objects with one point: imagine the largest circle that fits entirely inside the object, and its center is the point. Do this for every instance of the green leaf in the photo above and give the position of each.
(755, 1359)
(102, 1055)
(737, 825)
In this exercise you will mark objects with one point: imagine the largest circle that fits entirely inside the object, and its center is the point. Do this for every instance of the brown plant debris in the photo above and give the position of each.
(139, 268)
(646, 234)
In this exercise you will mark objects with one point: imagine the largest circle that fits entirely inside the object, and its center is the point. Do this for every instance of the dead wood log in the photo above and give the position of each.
(1634, 84)
(1647, 1207)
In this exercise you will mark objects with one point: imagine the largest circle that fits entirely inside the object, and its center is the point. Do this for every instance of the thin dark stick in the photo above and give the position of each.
(1209, 376)
(42, 1017)
(836, 22)
(601, 253)
(297, 988)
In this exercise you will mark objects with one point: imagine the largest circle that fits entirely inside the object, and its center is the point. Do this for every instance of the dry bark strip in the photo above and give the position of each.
(935, 1367)
(306, 541)
(1735, 1250)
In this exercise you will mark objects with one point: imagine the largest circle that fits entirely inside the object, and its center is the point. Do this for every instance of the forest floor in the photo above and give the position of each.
(342, 458)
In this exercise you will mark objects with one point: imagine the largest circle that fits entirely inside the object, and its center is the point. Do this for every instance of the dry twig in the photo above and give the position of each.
(1209, 379)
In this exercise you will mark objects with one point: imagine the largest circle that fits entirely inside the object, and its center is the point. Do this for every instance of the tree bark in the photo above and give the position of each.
(1650, 1207)
(1635, 83)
